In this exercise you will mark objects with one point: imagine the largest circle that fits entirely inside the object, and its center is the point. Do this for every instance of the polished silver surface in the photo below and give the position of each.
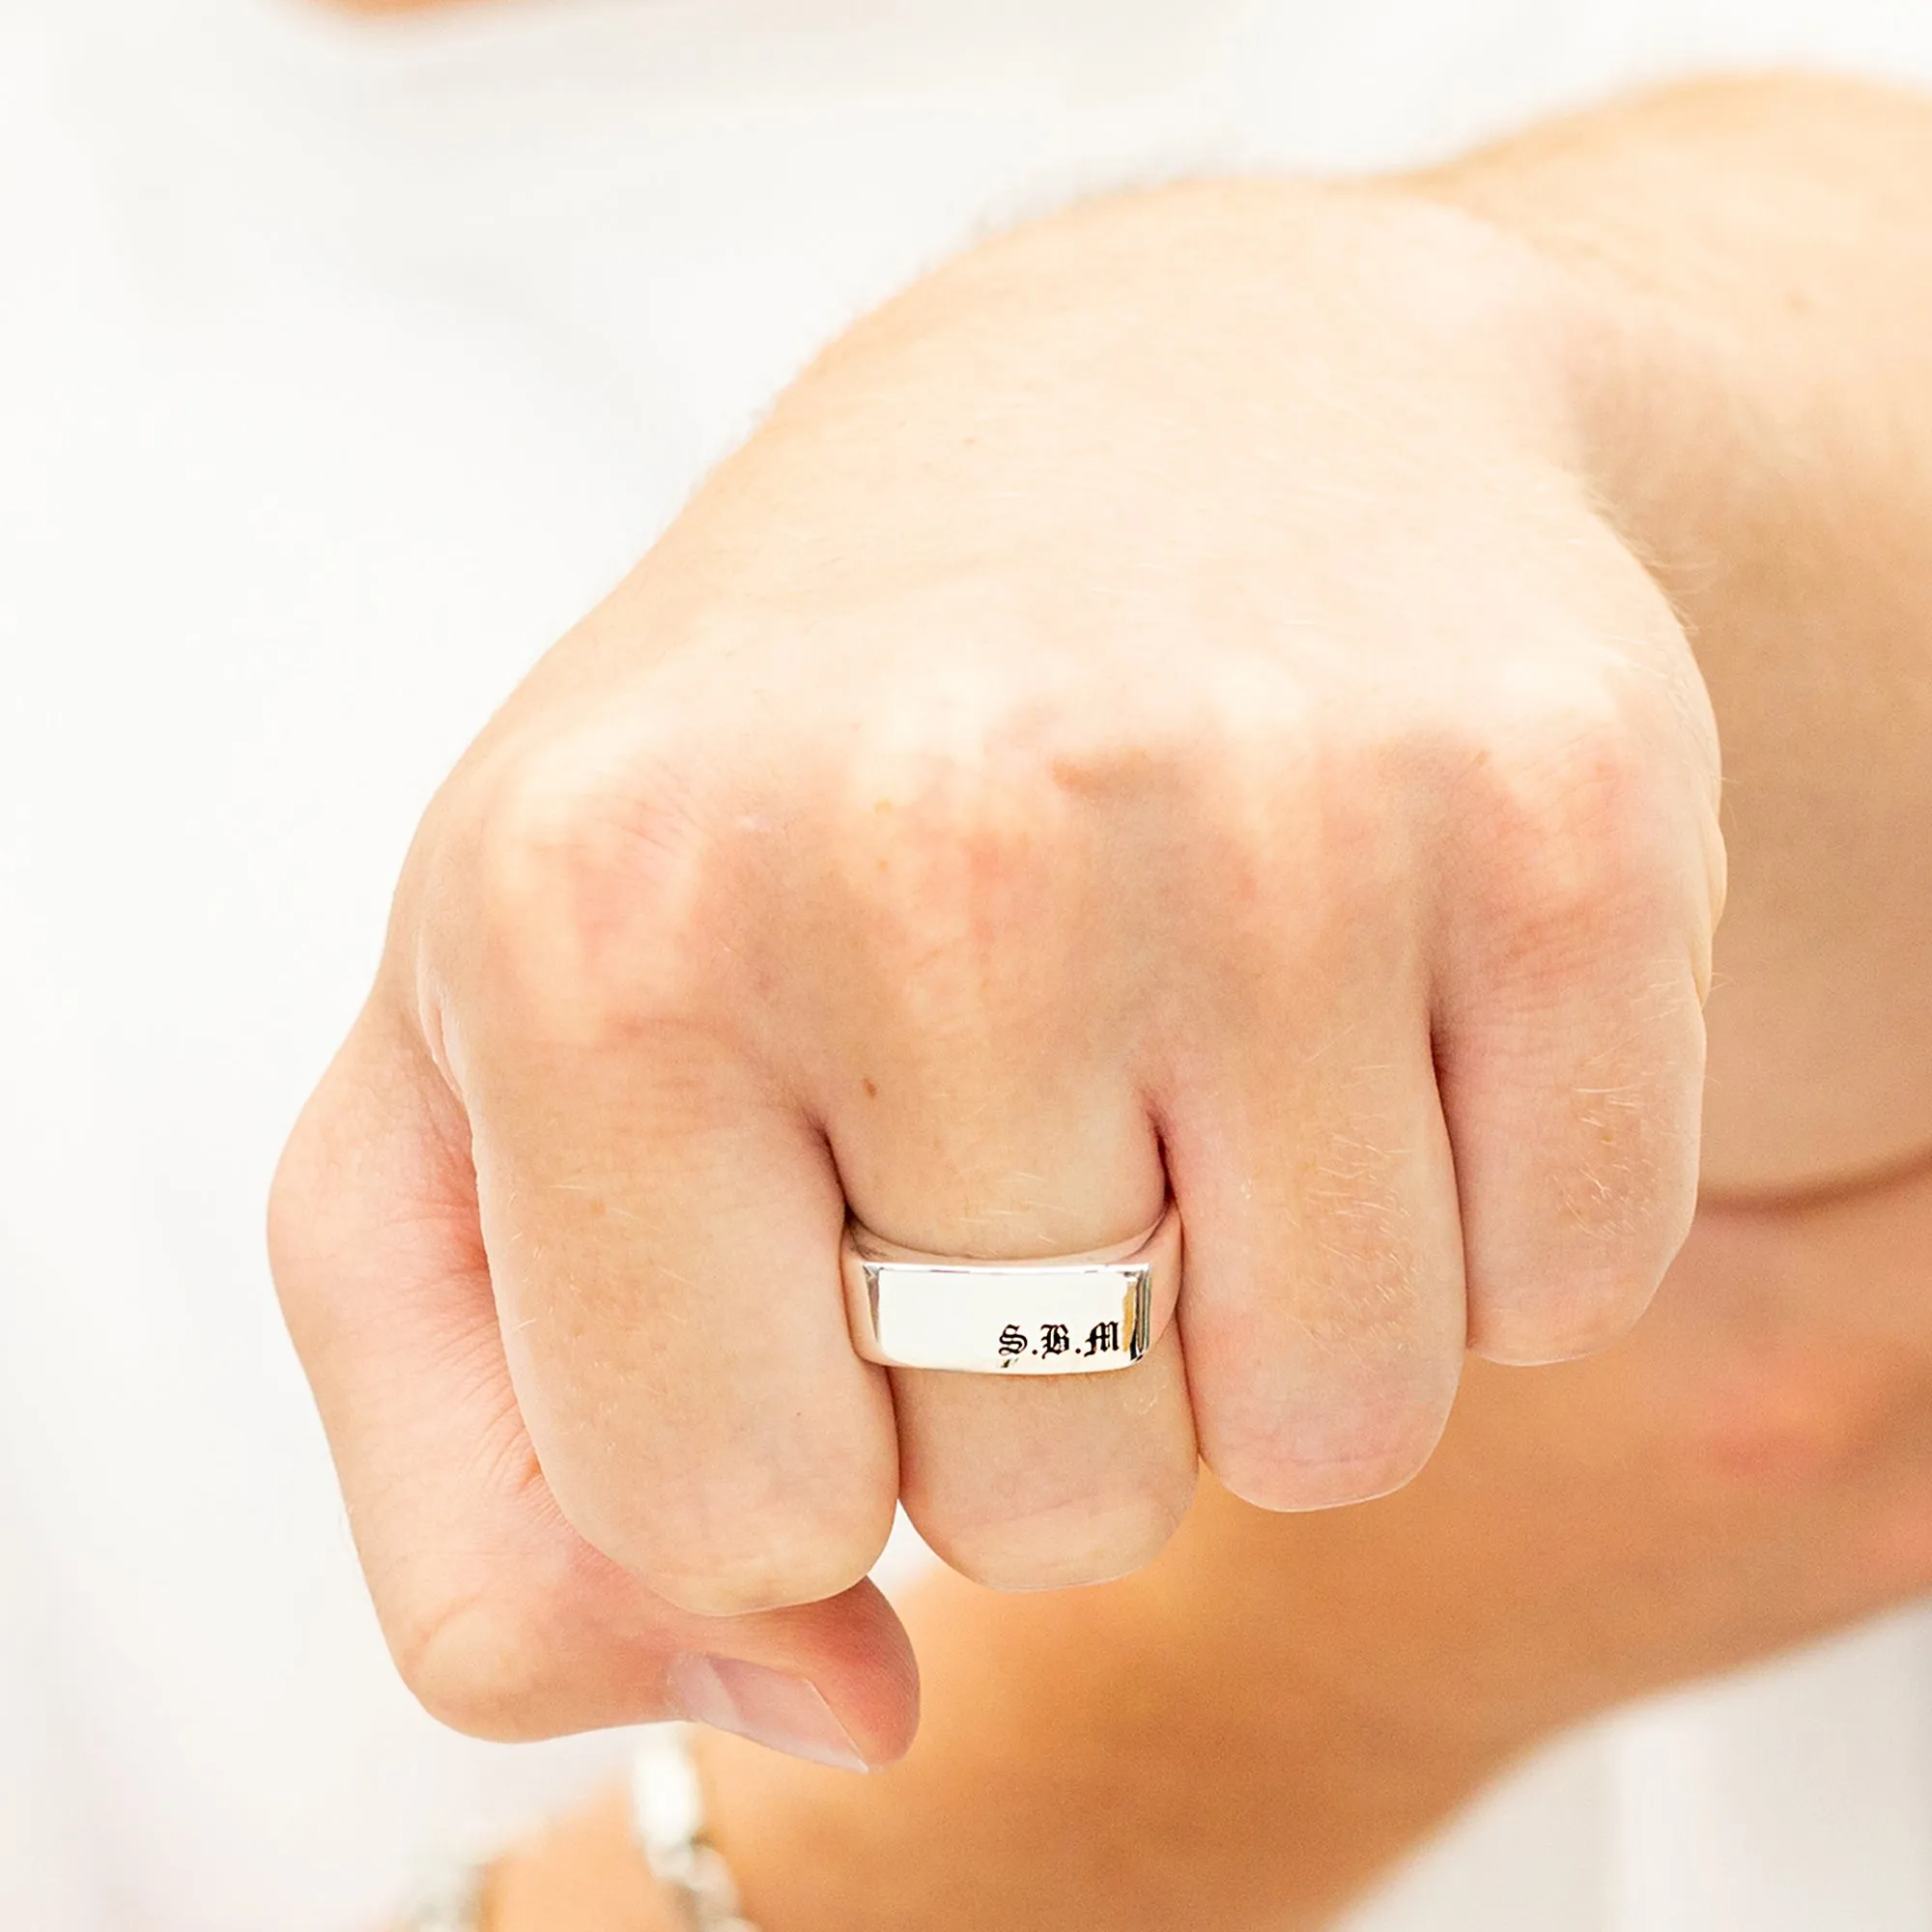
(1064, 1316)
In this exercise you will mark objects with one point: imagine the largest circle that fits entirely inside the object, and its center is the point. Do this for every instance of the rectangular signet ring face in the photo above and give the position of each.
(1040, 1320)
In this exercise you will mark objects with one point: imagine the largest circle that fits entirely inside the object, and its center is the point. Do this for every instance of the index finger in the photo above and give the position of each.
(503, 1620)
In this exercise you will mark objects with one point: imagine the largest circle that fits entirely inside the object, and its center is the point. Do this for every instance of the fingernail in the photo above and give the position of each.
(766, 1706)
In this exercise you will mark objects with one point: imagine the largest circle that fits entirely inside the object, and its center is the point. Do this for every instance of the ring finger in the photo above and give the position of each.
(1035, 1479)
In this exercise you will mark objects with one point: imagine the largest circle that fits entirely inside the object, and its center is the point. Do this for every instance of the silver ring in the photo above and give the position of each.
(1065, 1316)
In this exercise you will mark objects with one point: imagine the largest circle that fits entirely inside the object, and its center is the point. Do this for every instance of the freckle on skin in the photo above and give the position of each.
(871, 1089)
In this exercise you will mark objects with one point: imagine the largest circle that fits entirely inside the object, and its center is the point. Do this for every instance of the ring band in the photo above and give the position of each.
(1069, 1315)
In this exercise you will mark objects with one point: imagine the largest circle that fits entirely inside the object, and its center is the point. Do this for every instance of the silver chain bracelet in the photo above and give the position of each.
(667, 1821)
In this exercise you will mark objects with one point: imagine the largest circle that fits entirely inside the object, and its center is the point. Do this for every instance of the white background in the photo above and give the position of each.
(341, 366)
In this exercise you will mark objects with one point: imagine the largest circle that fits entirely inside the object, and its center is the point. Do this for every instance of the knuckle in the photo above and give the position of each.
(588, 865)
(1566, 820)
(956, 841)
(969, 792)
(481, 1664)
(1587, 1313)
(1626, 1208)
(1305, 862)
(1062, 1546)
(776, 1575)
(1272, 1477)
(1572, 1273)
(1331, 1446)
(1362, 1335)
(727, 1551)
(1622, 1201)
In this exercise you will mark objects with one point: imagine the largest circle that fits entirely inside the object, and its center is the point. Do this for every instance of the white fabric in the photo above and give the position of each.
(341, 365)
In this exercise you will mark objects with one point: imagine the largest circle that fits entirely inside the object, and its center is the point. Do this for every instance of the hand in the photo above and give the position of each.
(1158, 707)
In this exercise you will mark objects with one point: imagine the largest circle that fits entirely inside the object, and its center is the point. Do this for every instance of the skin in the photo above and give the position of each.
(1687, 326)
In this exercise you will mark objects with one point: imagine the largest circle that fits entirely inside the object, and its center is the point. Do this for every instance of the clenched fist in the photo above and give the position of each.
(1158, 711)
